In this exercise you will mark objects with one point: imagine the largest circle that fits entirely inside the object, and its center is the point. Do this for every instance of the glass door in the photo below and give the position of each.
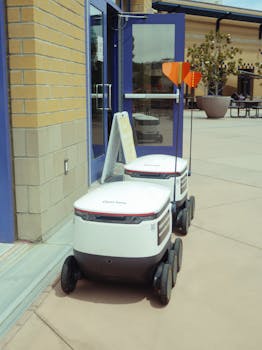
(154, 104)
(100, 89)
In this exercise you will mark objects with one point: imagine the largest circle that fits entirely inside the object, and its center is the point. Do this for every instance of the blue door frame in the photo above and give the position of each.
(6, 190)
(179, 21)
(96, 163)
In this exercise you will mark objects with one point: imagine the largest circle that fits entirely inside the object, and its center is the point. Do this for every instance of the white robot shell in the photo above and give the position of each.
(123, 219)
(165, 170)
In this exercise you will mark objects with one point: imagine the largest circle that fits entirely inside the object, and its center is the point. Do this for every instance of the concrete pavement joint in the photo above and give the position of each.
(227, 237)
(230, 181)
(215, 161)
(228, 203)
(54, 330)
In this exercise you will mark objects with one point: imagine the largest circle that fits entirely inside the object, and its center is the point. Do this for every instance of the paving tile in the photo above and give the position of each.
(35, 335)
(227, 172)
(212, 192)
(254, 161)
(241, 221)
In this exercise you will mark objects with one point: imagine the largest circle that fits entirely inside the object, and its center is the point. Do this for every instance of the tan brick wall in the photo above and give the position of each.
(47, 61)
(48, 110)
(141, 6)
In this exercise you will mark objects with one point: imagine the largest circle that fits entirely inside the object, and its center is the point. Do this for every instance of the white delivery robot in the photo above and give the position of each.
(171, 172)
(123, 233)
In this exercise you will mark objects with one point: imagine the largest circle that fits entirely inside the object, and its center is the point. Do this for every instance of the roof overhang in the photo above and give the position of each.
(250, 74)
(208, 12)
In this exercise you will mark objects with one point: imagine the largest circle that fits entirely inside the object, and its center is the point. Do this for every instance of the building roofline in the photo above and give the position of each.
(206, 12)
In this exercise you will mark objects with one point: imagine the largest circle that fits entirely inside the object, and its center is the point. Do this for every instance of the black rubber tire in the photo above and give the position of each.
(178, 247)
(157, 277)
(173, 261)
(192, 202)
(166, 284)
(69, 274)
(188, 207)
(174, 220)
(185, 221)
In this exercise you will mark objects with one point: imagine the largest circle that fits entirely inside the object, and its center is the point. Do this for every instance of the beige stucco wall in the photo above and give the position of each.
(48, 111)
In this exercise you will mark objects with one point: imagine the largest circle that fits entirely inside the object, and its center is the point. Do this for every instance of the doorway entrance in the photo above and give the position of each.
(126, 56)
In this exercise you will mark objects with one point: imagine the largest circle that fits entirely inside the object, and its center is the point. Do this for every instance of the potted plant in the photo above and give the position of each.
(216, 59)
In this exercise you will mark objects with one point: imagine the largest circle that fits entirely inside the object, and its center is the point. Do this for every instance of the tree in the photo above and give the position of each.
(216, 59)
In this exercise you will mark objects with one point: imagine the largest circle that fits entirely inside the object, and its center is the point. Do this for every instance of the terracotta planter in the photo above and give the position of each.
(214, 106)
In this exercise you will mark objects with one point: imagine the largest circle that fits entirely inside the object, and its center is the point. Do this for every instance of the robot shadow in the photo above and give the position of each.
(101, 292)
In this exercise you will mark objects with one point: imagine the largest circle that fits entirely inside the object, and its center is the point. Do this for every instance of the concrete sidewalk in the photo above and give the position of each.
(26, 269)
(217, 301)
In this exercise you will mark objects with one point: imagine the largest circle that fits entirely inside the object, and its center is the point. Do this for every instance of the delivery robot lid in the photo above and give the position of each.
(157, 164)
(124, 199)
(144, 117)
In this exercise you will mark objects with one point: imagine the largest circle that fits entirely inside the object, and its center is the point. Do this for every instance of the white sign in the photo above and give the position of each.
(121, 138)
(100, 50)
(126, 136)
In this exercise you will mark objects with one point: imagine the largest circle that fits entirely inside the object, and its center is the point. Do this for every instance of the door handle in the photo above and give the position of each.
(109, 97)
(99, 95)
(154, 96)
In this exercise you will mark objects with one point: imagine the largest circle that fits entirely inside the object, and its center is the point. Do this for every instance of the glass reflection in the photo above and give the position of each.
(97, 66)
(153, 119)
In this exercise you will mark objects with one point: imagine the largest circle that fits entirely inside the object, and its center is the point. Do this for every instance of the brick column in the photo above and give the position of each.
(141, 6)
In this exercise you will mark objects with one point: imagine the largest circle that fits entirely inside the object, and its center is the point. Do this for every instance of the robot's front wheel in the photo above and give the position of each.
(185, 220)
(178, 248)
(166, 284)
(173, 261)
(69, 274)
(192, 206)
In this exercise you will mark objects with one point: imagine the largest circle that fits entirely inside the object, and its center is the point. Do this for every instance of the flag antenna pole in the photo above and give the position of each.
(192, 79)
(191, 128)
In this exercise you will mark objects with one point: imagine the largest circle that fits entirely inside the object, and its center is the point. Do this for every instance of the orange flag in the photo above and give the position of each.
(192, 79)
(176, 71)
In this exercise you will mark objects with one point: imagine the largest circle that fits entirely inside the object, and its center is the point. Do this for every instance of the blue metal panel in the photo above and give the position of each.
(6, 198)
